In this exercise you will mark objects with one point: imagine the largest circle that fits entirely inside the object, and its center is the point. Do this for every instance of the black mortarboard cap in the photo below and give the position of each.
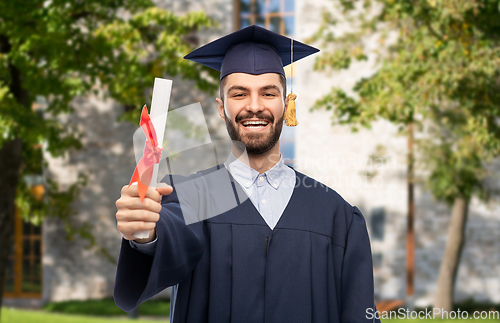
(252, 50)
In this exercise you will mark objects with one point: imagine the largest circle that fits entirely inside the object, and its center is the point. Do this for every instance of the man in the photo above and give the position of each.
(293, 251)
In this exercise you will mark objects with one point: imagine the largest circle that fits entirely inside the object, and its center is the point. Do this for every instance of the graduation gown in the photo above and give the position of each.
(315, 266)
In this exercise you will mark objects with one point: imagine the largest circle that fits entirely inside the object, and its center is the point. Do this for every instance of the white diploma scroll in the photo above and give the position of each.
(158, 114)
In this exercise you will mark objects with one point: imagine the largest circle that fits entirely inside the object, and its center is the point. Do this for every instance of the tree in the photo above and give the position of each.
(438, 71)
(61, 49)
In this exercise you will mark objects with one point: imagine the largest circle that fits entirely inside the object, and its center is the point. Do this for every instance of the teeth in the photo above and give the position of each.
(255, 123)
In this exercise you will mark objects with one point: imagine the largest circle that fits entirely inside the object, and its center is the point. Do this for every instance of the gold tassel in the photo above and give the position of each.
(290, 117)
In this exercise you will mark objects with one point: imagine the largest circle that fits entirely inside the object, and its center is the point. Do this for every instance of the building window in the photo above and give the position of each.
(275, 15)
(24, 267)
(377, 223)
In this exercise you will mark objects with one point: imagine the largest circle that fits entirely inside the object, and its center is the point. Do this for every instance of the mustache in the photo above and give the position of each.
(258, 115)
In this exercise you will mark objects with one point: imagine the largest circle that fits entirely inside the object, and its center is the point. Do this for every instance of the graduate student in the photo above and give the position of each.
(292, 251)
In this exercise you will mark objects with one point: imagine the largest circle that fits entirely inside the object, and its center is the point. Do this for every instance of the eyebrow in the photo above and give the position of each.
(237, 87)
(264, 88)
(270, 87)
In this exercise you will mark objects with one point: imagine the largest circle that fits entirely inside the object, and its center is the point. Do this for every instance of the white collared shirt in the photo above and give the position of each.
(269, 192)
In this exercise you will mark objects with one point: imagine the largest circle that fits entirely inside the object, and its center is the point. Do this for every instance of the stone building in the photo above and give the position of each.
(333, 155)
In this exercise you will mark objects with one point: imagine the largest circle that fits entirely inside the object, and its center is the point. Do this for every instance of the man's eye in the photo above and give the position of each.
(269, 94)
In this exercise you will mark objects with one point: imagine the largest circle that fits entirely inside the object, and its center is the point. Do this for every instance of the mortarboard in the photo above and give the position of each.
(253, 50)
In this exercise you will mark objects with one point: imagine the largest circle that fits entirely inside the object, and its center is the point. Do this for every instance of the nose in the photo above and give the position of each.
(255, 104)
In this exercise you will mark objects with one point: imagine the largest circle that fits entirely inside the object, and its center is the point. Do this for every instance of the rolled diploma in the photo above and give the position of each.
(158, 114)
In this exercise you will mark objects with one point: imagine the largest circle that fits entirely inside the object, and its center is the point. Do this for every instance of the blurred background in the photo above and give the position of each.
(399, 113)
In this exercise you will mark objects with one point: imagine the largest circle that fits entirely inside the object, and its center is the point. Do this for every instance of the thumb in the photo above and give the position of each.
(164, 189)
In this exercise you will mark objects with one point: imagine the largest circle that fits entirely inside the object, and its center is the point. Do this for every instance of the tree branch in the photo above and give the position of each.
(15, 84)
(4, 44)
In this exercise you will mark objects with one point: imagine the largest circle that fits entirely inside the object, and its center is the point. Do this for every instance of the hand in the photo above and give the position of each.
(135, 215)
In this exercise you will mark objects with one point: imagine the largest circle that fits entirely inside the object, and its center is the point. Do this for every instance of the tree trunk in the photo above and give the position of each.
(10, 166)
(10, 163)
(452, 253)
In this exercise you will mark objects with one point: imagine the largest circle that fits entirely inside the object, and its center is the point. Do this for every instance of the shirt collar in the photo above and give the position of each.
(276, 173)
(247, 176)
(241, 172)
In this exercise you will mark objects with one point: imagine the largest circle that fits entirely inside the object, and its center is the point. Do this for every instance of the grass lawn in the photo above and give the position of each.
(27, 316)
(107, 307)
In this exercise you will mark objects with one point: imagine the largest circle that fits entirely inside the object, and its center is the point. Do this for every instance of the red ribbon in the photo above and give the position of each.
(152, 155)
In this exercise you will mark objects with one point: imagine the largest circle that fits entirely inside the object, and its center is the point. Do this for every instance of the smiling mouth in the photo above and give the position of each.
(255, 124)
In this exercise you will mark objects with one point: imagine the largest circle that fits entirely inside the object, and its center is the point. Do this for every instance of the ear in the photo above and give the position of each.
(286, 105)
(220, 107)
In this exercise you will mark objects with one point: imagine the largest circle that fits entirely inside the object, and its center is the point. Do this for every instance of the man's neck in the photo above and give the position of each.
(262, 162)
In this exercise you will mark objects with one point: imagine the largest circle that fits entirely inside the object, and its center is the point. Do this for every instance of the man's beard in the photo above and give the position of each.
(255, 142)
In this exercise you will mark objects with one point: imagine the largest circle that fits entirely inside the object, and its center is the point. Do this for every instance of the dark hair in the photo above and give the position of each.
(224, 81)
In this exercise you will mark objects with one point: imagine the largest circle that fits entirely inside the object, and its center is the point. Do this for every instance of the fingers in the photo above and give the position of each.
(135, 203)
(164, 190)
(162, 184)
(134, 215)
(128, 215)
(152, 193)
(131, 220)
(129, 227)
(133, 191)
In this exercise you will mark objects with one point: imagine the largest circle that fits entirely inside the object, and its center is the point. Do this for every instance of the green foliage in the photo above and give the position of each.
(54, 51)
(107, 307)
(437, 67)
